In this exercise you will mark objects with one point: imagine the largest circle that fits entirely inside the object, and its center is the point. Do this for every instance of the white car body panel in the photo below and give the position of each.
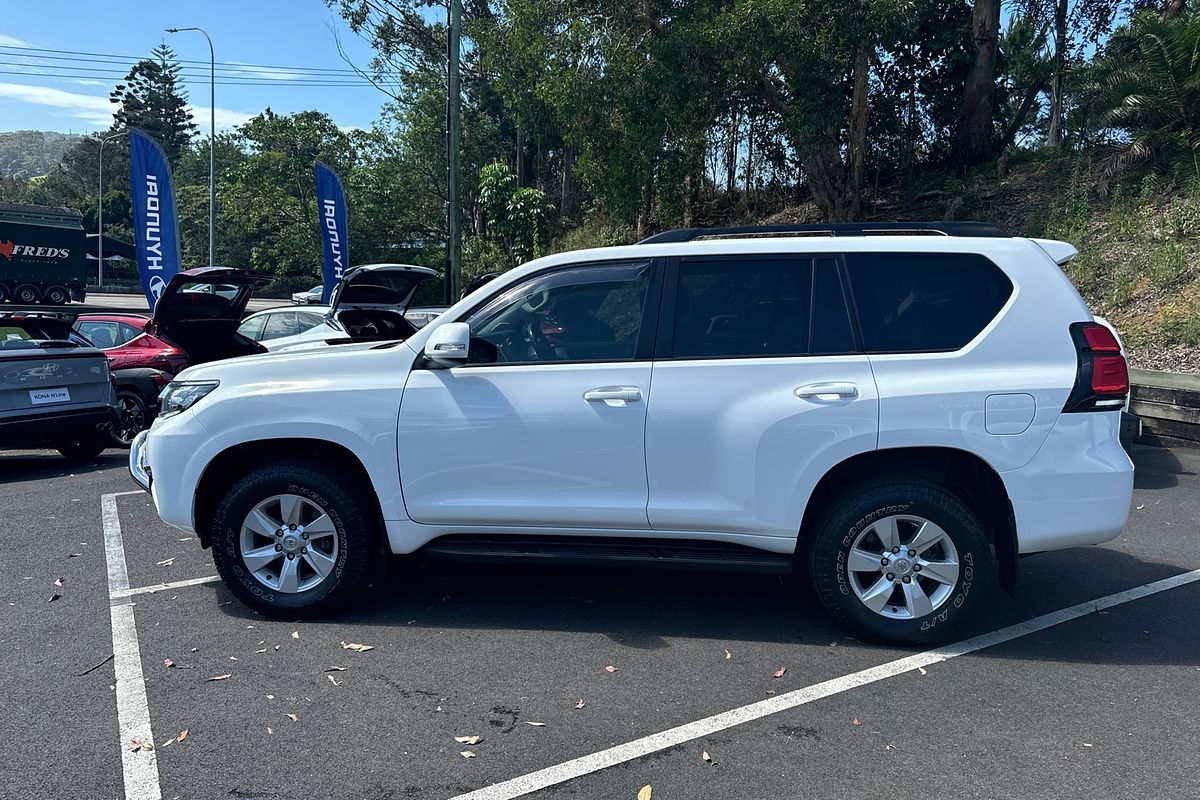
(726, 456)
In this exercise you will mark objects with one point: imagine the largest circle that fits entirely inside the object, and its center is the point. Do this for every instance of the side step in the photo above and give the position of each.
(622, 552)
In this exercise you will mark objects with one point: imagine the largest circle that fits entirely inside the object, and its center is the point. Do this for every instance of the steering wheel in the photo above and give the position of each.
(531, 333)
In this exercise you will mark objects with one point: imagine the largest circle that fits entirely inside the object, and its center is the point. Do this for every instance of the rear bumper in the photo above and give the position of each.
(1131, 428)
(1077, 489)
(32, 430)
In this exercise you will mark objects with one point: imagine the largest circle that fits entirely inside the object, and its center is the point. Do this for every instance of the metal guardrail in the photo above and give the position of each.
(1168, 404)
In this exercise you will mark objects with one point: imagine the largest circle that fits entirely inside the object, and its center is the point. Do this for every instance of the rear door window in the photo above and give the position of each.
(924, 302)
(279, 325)
(743, 307)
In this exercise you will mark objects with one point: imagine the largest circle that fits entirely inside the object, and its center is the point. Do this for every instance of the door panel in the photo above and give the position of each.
(730, 446)
(519, 444)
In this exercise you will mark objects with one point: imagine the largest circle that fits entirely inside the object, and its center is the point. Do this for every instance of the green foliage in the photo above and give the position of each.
(26, 154)
(515, 219)
(1146, 85)
(151, 100)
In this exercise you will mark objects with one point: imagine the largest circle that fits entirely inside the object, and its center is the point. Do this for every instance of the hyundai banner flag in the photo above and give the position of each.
(155, 226)
(335, 237)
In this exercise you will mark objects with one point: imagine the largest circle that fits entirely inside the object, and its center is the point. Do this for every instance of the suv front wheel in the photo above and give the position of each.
(292, 539)
(902, 562)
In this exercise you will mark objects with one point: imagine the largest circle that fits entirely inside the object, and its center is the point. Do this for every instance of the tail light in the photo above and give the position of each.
(160, 378)
(1102, 379)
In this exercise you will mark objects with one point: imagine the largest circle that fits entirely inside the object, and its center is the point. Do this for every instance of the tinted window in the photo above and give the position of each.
(744, 307)
(306, 321)
(831, 331)
(913, 302)
(102, 334)
(585, 314)
(252, 328)
(278, 325)
(128, 333)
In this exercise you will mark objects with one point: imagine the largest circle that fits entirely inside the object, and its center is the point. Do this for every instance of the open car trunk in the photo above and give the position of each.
(200, 310)
(370, 301)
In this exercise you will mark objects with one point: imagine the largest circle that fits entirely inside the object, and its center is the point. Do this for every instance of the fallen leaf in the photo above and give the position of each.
(167, 743)
(58, 582)
(536, 724)
(276, 647)
(333, 680)
(1086, 744)
(270, 697)
(269, 731)
(139, 745)
(610, 668)
(707, 758)
(218, 677)
(468, 739)
(335, 669)
(922, 670)
(295, 634)
(166, 562)
(168, 663)
(194, 650)
(292, 717)
(54, 597)
(182, 735)
(728, 655)
(645, 793)
(466, 754)
(580, 704)
(74, 555)
(779, 673)
(261, 651)
(233, 658)
(855, 722)
(356, 647)
(1139, 508)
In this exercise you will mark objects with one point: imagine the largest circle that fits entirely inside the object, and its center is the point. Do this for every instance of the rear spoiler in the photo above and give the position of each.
(1060, 252)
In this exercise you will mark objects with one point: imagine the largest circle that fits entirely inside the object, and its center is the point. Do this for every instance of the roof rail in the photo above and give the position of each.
(976, 229)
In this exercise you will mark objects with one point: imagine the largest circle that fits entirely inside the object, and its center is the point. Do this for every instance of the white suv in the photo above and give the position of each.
(896, 411)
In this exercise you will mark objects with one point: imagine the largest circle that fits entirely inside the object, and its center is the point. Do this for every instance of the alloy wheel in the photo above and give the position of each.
(903, 566)
(289, 543)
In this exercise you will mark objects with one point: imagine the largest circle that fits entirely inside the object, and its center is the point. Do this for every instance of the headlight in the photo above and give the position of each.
(182, 395)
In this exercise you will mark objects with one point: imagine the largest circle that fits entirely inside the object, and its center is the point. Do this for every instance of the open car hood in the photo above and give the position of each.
(207, 293)
(389, 286)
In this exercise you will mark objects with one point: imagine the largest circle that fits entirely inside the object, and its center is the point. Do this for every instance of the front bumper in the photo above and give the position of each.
(138, 466)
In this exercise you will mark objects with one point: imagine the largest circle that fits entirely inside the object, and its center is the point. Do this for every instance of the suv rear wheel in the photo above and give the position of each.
(291, 539)
(903, 562)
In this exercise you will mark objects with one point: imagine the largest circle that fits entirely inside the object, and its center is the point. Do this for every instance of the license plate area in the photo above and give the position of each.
(41, 397)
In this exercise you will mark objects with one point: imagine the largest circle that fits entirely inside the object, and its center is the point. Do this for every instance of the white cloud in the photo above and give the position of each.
(268, 73)
(12, 41)
(96, 110)
(226, 118)
(88, 107)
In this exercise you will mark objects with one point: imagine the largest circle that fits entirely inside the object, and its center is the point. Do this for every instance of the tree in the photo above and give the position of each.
(975, 135)
(150, 99)
(1146, 82)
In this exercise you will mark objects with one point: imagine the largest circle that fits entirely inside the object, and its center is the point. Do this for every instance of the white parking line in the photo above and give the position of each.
(121, 594)
(585, 765)
(133, 713)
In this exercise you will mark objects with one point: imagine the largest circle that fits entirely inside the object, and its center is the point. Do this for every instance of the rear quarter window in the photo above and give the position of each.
(924, 302)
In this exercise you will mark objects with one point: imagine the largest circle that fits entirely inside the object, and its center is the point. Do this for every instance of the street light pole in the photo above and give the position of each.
(100, 210)
(453, 125)
(212, 144)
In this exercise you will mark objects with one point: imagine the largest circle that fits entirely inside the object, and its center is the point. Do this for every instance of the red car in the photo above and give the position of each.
(124, 340)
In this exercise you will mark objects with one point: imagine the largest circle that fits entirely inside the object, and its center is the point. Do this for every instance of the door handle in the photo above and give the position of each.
(613, 396)
(827, 391)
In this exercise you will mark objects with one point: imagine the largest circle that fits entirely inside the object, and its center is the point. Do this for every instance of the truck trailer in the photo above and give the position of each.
(43, 255)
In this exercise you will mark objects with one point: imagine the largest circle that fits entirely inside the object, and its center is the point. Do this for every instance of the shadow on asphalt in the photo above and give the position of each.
(33, 465)
(1159, 467)
(647, 609)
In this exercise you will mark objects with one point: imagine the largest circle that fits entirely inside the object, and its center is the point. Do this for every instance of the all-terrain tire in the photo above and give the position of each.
(356, 528)
(856, 511)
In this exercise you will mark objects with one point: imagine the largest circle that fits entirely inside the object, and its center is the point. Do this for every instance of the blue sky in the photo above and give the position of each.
(273, 33)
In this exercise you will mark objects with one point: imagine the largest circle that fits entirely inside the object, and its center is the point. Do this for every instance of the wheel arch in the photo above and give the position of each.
(968, 476)
(232, 463)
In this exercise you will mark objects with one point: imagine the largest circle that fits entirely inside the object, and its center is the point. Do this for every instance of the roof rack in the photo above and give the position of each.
(975, 229)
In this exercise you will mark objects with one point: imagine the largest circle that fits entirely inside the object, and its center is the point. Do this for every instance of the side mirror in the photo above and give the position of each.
(448, 345)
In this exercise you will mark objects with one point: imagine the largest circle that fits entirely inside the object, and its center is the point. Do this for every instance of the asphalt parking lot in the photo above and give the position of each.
(1102, 701)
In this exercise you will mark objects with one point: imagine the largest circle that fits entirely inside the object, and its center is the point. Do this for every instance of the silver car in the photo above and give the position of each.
(55, 388)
